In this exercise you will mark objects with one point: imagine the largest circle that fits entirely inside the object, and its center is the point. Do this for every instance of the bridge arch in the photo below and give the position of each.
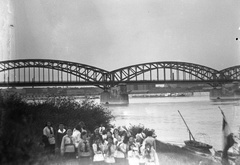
(167, 71)
(48, 72)
(232, 73)
(55, 69)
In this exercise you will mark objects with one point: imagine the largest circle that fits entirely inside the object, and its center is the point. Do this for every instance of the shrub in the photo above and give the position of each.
(70, 112)
(135, 128)
(22, 123)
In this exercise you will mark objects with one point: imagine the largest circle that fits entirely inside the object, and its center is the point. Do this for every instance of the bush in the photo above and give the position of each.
(22, 123)
(135, 128)
(70, 112)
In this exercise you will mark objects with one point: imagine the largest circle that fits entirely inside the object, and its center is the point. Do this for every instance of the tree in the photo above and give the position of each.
(22, 123)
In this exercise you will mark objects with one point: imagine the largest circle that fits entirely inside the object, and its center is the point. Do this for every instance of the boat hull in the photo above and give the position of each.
(197, 146)
(173, 154)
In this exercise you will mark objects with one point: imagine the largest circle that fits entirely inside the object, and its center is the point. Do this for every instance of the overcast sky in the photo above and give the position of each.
(111, 34)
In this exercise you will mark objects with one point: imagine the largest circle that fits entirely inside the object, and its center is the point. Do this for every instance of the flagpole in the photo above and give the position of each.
(224, 117)
(190, 133)
(222, 112)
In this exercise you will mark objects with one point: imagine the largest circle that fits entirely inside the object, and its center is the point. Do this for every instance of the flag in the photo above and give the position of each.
(228, 140)
(225, 130)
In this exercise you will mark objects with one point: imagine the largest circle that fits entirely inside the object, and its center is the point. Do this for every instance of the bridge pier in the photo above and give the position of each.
(225, 92)
(115, 95)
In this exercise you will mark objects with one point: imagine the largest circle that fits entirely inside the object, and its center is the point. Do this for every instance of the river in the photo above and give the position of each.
(202, 116)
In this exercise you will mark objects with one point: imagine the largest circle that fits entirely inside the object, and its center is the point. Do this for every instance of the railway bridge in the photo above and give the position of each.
(49, 72)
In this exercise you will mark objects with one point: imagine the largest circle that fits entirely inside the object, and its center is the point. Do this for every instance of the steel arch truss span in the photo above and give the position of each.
(46, 72)
(165, 72)
(50, 72)
(232, 73)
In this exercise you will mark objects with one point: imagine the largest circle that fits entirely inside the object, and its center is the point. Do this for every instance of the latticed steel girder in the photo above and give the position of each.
(89, 73)
(106, 79)
(201, 72)
(232, 73)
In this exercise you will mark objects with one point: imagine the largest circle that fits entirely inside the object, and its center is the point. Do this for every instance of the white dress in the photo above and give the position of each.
(109, 158)
(98, 154)
(133, 157)
(77, 137)
(153, 158)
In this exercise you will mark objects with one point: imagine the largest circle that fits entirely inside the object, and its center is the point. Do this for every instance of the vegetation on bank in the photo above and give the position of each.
(22, 123)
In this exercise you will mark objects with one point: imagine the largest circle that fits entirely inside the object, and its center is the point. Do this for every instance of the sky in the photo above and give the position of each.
(111, 34)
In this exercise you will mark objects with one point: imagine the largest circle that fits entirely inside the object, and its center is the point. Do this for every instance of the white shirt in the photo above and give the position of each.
(94, 146)
(77, 137)
(120, 153)
(66, 140)
(101, 129)
(46, 132)
(151, 141)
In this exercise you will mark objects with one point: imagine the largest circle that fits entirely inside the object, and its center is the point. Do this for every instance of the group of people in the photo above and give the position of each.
(103, 146)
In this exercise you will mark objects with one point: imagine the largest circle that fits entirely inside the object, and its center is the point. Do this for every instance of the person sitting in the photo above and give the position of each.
(101, 129)
(133, 155)
(131, 141)
(140, 136)
(107, 135)
(149, 155)
(109, 150)
(121, 150)
(95, 135)
(104, 136)
(116, 132)
(98, 151)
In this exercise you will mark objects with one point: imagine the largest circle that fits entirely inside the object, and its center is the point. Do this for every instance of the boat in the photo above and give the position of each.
(110, 103)
(197, 146)
(193, 145)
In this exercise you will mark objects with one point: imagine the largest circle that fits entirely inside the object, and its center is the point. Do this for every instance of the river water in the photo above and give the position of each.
(202, 116)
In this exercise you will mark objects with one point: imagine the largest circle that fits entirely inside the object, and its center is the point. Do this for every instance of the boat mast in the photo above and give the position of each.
(190, 133)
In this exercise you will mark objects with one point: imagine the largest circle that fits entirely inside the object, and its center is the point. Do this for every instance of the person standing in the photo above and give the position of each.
(84, 149)
(67, 146)
(77, 135)
(59, 135)
(150, 139)
(48, 132)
